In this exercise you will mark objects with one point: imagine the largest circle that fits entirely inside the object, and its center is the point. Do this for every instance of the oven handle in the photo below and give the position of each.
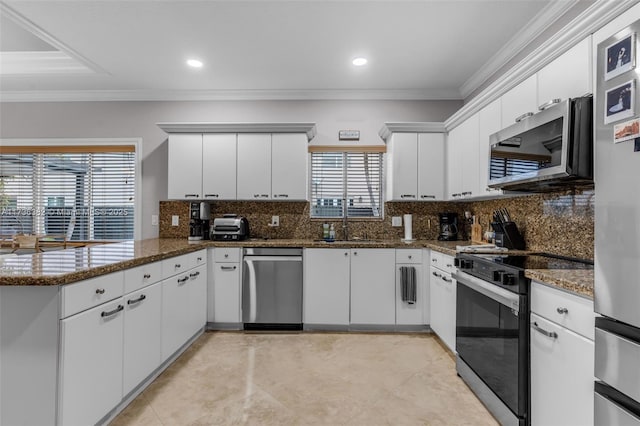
(492, 291)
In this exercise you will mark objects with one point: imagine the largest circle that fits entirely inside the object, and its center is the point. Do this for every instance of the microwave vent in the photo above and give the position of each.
(514, 142)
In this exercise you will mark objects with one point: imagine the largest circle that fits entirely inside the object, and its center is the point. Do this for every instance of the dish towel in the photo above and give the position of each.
(408, 284)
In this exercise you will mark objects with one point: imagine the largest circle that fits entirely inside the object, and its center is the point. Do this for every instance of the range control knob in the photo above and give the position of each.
(508, 279)
(465, 264)
(497, 276)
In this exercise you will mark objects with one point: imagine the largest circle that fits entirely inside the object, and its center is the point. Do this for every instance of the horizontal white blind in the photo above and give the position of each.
(85, 196)
(352, 176)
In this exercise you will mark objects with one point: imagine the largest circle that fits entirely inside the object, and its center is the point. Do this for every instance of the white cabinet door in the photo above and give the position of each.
(254, 166)
(469, 150)
(326, 286)
(289, 164)
(142, 335)
(197, 310)
(568, 76)
(91, 364)
(454, 175)
(402, 173)
(175, 318)
(561, 375)
(431, 165)
(520, 100)
(219, 166)
(373, 295)
(185, 167)
(226, 293)
(409, 313)
(443, 306)
(489, 122)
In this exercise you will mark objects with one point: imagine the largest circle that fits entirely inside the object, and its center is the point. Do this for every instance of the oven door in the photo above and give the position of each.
(492, 339)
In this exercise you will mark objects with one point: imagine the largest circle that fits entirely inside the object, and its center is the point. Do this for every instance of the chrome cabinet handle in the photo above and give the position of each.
(562, 311)
(138, 300)
(147, 276)
(199, 259)
(194, 274)
(182, 280)
(226, 255)
(355, 253)
(428, 196)
(177, 265)
(449, 265)
(435, 274)
(434, 260)
(212, 195)
(191, 196)
(228, 268)
(105, 314)
(346, 254)
(256, 195)
(537, 328)
(265, 196)
(100, 290)
(407, 196)
(548, 104)
(410, 257)
(523, 116)
(445, 279)
(281, 196)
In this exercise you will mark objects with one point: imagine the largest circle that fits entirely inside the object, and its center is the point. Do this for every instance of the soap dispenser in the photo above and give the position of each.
(332, 233)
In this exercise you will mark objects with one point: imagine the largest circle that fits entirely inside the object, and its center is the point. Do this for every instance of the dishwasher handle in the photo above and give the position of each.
(273, 258)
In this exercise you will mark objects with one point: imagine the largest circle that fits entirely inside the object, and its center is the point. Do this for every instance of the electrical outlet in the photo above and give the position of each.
(154, 220)
(175, 220)
(396, 221)
(275, 220)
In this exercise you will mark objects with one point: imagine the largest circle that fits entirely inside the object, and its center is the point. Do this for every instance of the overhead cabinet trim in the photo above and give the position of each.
(204, 127)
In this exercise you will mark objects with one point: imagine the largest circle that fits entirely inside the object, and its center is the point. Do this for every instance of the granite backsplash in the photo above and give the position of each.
(559, 222)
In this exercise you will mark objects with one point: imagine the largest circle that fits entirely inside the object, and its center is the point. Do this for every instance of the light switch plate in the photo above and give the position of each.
(396, 221)
(154, 220)
(275, 220)
(175, 220)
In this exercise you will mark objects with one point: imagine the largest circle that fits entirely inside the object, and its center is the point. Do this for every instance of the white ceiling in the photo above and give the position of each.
(420, 49)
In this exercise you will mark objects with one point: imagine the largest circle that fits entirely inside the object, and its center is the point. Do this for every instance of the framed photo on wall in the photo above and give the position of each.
(620, 102)
(620, 56)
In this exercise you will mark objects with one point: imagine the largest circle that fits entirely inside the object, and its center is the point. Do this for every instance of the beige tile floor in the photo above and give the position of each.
(309, 379)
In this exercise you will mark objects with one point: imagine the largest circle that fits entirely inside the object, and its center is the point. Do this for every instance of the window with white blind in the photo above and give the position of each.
(83, 193)
(346, 183)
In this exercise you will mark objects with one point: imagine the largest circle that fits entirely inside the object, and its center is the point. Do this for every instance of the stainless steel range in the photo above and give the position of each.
(492, 328)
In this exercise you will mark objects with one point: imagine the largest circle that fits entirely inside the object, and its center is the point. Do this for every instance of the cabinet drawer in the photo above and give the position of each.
(182, 263)
(92, 292)
(408, 256)
(568, 310)
(141, 276)
(436, 259)
(227, 254)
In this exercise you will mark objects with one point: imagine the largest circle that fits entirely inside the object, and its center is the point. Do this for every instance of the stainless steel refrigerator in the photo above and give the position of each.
(617, 230)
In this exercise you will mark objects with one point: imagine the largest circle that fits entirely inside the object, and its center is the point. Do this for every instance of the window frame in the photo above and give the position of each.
(136, 142)
(345, 153)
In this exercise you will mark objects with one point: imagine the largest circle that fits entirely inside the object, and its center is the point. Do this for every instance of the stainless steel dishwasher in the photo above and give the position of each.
(272, 288)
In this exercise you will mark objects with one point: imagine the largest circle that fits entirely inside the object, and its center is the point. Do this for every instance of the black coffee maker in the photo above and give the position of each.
(448, 226)
(199, 216)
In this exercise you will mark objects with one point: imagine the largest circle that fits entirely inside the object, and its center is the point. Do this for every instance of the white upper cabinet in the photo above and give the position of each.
(402, 172)
(431, 166)
(462, 159)
(568, 76)
(289, 165)
(254, 166)
(489, 122)
(219, 152)
(521, 100)
(454, 177)
(185, 166)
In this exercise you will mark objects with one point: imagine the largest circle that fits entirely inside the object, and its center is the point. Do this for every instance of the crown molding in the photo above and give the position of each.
(37, 63)
(225, 95)
(31, 27)
(206, 127)
(589, 21)
(551, 13)
(411, 127)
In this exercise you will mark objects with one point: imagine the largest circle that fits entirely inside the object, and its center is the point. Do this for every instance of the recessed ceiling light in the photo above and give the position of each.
(194, 63)
(358, 62)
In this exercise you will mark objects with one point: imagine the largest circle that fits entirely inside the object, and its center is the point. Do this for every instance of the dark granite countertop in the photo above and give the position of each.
(71, 265)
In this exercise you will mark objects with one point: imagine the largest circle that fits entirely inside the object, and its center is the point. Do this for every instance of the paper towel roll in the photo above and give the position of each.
(407, 227)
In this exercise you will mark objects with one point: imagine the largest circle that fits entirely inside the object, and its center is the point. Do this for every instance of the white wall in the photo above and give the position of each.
(138, 119)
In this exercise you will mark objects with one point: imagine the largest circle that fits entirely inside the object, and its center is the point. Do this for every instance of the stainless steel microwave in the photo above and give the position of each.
(546, 151)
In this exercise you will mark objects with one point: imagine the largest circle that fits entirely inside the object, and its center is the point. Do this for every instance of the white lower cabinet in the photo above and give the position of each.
(373, 286)
(409, 313)
(326, 286)
(142, 335)
(443, 301)
(562, 358)
(197, 315)
(226, 293)
(91, 363)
